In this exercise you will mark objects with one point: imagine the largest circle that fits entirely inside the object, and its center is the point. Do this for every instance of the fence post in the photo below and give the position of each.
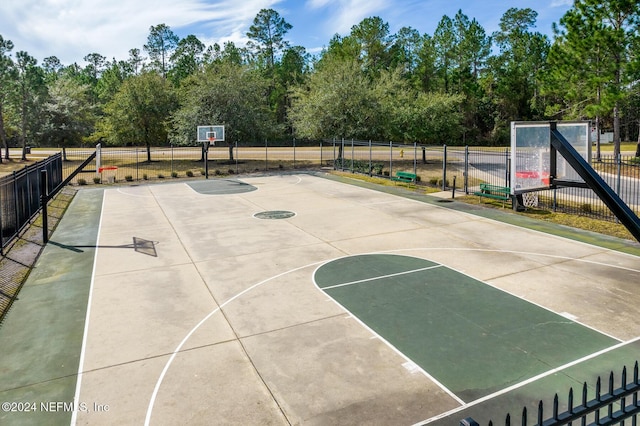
(390, 159)
(618, 172)
(342, 156)
(15, 201)
(266, 155)
(352, 152)
(507, 168)
(465, 178)
(171, 144)
(320, 152)
(444, 167)
(294, 153)
(1, 229)
(370, 160)
(43, 201)
(334, 154)
(236, 156)
(415, 158)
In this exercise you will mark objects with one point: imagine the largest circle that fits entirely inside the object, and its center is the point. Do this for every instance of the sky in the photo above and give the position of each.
(72, 29)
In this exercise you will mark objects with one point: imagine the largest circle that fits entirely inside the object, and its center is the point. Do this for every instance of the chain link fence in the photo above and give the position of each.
(440, 167)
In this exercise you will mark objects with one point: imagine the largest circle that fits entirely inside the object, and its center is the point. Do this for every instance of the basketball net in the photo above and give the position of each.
(212, 140)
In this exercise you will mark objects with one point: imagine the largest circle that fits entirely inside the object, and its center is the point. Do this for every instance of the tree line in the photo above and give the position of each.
(459, 85)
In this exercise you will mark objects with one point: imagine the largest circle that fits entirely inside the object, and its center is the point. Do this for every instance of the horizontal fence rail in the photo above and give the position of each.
(610, 408)
(20, 196)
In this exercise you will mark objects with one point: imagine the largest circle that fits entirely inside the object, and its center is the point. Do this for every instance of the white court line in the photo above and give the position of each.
(517, 296)
(381, 277)
(193, 330)
(76, 398)
(382, 339)
(525, 382)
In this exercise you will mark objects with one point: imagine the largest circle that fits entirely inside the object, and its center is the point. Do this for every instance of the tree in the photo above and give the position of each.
(513, 74)
(52, 68)
(187, 58)
(135, 60)
(599, 36)
(112, 78)
(372, 36)
(92, 71)
(139, 112)
(409, 115)
(31, 93)
(230, 54)
(161, 43)
(338, 101)
(290, 71)
(69, 113)
(224, 94)
(444, 41)
(266, 37)
(7, 77)
(405, 51)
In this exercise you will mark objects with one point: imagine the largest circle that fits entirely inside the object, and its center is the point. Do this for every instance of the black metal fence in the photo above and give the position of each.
(611, 408)
(20, 196)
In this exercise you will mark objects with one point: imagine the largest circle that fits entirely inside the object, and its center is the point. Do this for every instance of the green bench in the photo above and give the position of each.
(494, 191)
(405, 177)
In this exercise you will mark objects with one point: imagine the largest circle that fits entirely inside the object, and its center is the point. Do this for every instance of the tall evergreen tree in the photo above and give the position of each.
(31, 93)
(605, 32)
(266, 37)
(161, 44)
(8, 76)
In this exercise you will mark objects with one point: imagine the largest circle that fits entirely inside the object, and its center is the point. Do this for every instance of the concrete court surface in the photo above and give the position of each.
(201, 313)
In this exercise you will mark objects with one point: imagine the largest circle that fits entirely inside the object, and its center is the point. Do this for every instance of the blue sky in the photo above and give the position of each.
(71, 29)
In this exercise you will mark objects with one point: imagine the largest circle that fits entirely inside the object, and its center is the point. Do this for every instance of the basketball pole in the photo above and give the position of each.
(206, 159)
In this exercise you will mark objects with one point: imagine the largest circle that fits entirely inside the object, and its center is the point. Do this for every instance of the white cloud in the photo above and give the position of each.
(344, 14)
(71, 29)
(561, 3)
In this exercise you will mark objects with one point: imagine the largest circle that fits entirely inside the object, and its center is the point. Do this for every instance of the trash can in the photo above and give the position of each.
(27, 150)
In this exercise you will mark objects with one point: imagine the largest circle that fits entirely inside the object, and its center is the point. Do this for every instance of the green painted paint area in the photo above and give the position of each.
(220, 186)
(473, 338)
(41, 337)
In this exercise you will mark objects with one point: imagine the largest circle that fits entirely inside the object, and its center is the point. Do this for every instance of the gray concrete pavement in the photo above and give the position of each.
(224, 325)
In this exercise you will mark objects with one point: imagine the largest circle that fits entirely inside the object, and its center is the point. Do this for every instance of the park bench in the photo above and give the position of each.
(405, 177)
(494, 191)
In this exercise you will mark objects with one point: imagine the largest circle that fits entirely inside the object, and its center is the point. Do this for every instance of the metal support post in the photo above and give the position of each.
(43, 201)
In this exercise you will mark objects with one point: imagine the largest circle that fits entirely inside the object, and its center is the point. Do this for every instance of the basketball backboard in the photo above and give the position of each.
(531, 154)
(210, 133)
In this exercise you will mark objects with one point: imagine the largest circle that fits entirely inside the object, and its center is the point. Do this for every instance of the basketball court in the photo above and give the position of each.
(301, 299)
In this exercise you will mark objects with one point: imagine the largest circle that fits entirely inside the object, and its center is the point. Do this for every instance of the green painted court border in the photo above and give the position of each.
(504, 215)
(473, 338)
(529, 394)
(41, 337)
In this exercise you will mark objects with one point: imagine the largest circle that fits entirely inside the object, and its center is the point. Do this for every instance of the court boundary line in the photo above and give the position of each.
(85, 334)
(602, 250)
(526, 382)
